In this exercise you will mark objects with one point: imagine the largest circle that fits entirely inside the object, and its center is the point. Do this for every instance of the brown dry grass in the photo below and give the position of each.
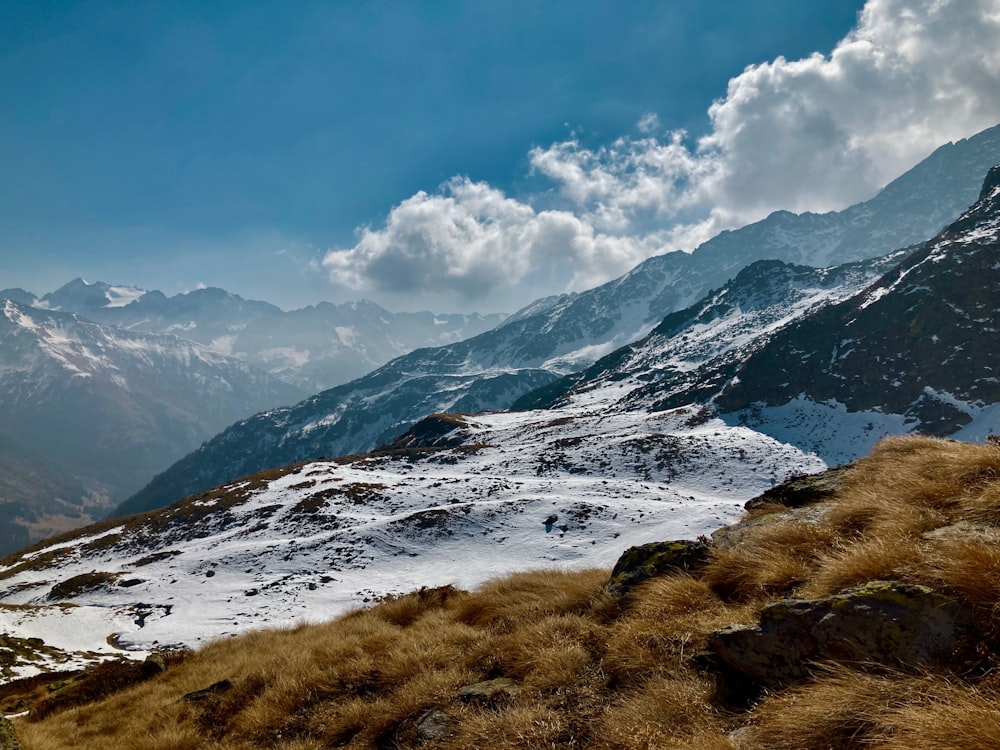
(593, 672)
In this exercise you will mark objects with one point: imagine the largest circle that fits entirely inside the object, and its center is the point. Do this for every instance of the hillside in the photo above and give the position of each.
(457, 500)
(853, 610)
(916, 349)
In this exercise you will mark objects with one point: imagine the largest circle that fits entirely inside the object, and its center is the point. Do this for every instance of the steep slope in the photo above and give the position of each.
(692, 352)
(313, 348)
(859, 616)
(107, 408)
(352, 418)
(556, 336)
(36, 502)
(917, 348)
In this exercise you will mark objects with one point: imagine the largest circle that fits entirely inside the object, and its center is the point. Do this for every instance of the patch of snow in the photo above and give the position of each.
(119, 296)
(827, 430)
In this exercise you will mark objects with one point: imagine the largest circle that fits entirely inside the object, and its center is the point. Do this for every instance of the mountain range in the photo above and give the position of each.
(557, 336)
(312, 348)
(92, 411)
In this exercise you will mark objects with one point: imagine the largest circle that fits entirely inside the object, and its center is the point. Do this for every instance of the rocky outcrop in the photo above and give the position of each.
(638, 564)
(433, 724)
(490, 692)
(888, 623)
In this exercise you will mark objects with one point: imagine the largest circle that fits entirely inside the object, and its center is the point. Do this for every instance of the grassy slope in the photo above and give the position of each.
(591, 671)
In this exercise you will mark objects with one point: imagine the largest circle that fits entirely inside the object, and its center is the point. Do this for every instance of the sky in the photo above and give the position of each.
(454, 155)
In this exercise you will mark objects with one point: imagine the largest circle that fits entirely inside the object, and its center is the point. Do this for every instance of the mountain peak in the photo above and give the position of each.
(991, 185)
(80, 295)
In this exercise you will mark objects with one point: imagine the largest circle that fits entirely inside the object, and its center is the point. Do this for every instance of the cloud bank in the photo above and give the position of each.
(815, 134)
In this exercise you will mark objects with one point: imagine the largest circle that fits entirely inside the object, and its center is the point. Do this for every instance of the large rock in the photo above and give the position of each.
(737, 534)
(646, 561)
(882, 622)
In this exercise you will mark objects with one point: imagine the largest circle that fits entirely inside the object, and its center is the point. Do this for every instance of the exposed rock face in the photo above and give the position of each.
(734, 535)
(881, 622)
(433, 725)
(919, 343)
(638, 564)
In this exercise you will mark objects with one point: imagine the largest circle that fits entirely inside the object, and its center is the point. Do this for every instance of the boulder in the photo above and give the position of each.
(638, 564)
(883, 622)
(733, 535)
(433, 724)
(212, 691)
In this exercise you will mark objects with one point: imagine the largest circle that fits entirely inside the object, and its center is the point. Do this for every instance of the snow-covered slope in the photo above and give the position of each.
(105, 409)
(312, 348)
(455, 501)
(556, 336)
(575, 330)
(692, 352)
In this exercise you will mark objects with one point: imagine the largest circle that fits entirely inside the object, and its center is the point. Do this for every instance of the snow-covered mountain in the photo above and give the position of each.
(95, 410)
(312, 348)
(691, 354)
(915, 351)
(556, 336)
(912, 351)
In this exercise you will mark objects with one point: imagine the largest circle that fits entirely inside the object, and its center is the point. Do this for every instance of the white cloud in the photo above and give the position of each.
(813, 134)
(807, 135)
(649, 123)
(470, 238)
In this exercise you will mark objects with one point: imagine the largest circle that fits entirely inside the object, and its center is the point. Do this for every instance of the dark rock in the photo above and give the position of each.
(213, 690)
(803, 489)
(881, 622)
(490, 692)
(153, 665)
(433, 724)
(646, 561)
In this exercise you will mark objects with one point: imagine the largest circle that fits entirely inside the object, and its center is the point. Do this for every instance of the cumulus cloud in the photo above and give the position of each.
(805, 135)
(470, 238)
(813, 134)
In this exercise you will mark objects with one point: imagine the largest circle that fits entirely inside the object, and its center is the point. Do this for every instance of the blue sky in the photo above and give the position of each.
(409, 152)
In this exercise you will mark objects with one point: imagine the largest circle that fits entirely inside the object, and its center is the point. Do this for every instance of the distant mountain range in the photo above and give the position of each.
(312, 348)
(557, 336)
(94, 411)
